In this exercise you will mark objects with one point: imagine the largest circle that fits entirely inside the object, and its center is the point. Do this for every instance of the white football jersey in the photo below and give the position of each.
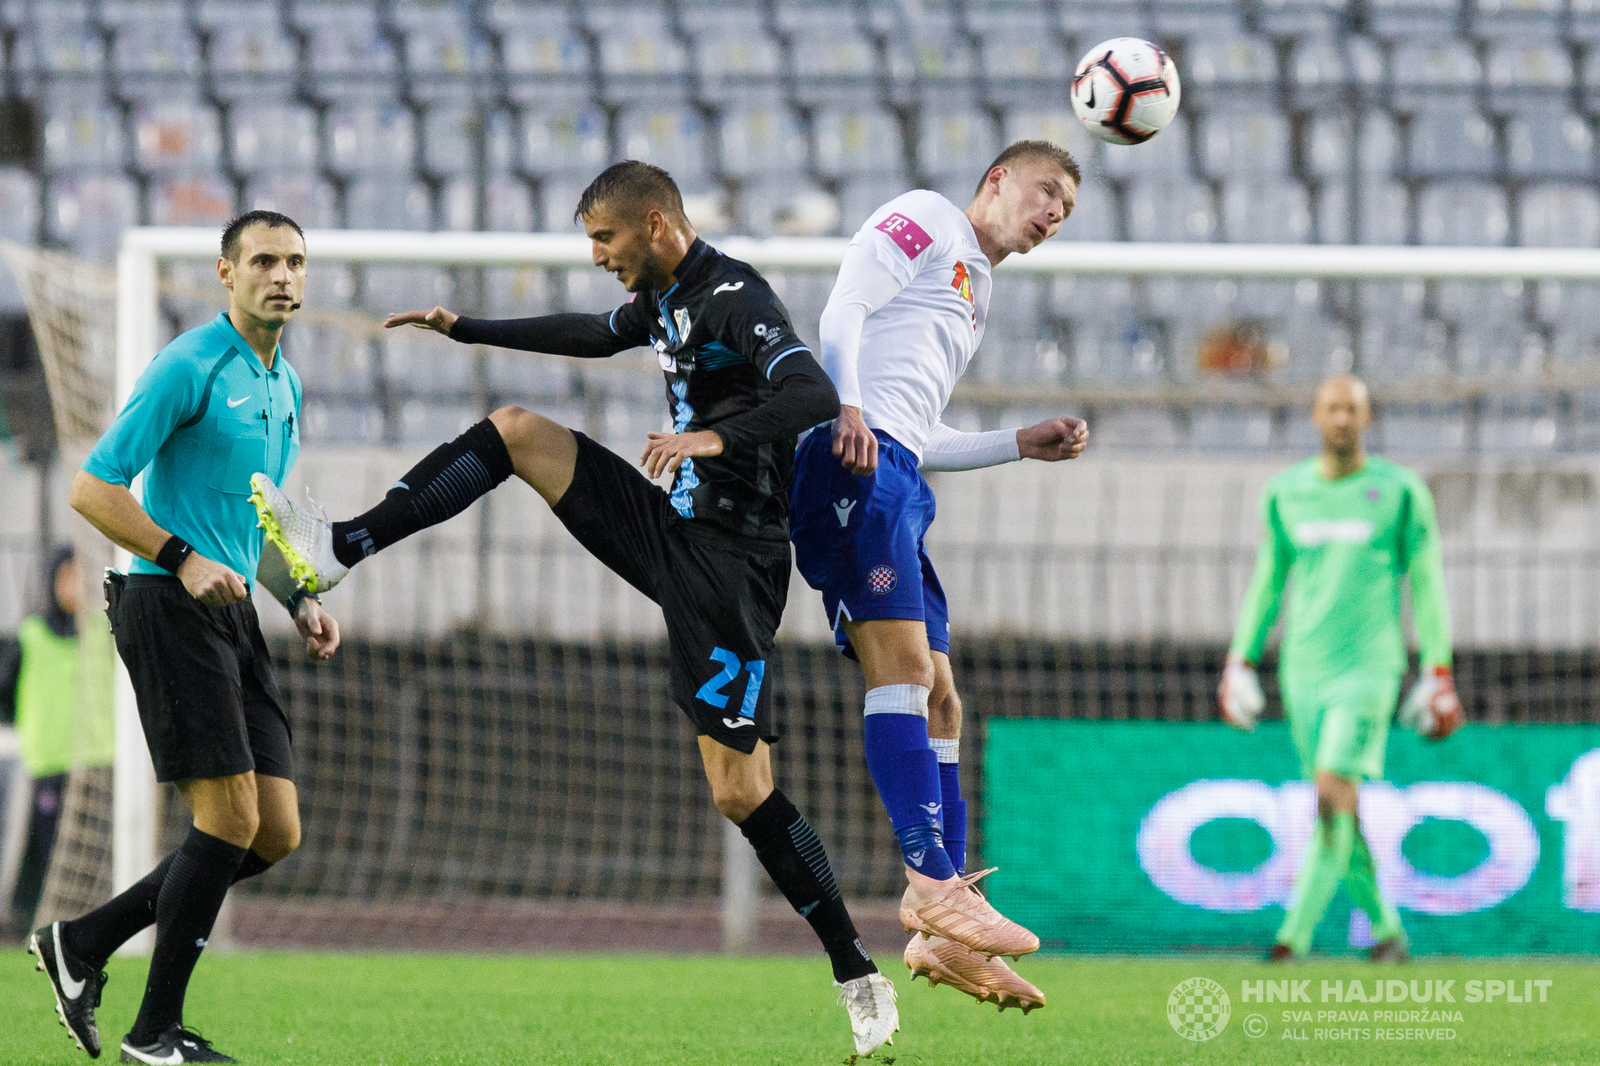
(915, 348)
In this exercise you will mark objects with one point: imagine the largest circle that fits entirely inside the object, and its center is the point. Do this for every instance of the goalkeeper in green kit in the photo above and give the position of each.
(1347, 527)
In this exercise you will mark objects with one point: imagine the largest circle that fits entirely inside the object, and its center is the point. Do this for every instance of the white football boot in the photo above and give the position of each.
(874, 1018)
(305, 538)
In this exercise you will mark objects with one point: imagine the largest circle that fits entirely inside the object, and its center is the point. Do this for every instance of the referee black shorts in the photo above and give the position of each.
(202, 675)
(722, 595)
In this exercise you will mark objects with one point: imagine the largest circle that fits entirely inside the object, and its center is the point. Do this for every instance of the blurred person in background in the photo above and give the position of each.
(38, 678)
(1348, 527)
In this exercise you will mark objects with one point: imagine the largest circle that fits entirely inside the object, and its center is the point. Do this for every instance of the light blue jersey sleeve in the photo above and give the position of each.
(166, 394)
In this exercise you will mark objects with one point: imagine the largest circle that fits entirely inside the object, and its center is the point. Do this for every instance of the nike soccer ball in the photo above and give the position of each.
(1125, 90)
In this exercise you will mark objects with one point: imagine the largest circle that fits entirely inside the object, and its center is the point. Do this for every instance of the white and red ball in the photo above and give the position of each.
(1125, 90)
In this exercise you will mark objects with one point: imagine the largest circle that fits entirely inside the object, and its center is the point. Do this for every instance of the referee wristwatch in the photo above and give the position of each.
(295, 598)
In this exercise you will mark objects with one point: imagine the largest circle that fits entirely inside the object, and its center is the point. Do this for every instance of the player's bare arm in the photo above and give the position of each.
(667, 451)
(439, 320)
(113, 511)
(1054, 439)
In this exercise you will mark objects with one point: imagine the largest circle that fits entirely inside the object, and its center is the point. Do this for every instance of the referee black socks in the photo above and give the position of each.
(446, 482)
(94, 937)
(795, 860)
(191, 895)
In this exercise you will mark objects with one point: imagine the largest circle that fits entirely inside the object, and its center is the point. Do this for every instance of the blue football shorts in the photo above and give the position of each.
(858, 540)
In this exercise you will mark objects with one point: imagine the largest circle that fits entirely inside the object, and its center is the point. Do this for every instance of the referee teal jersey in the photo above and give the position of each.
(203, 417)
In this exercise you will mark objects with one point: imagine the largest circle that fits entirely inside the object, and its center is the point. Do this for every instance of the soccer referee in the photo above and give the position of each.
(216, 405)
(1347, 527)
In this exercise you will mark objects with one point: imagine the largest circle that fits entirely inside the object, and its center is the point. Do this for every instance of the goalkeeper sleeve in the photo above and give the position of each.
(1425, 567)
(1265, 594)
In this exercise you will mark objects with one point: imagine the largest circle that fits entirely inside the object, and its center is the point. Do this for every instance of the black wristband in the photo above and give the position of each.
(299, 594)
(173, 553)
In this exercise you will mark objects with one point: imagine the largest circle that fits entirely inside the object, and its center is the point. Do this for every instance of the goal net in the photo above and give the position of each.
(491, 761)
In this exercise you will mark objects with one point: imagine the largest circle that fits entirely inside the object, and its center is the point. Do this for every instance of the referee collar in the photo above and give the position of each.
(225, 323)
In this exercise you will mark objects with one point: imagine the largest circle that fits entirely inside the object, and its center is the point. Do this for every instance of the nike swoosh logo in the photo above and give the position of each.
(171, 1060)
(735, 723)
(72, 989)
(734, 286)
(236, 403)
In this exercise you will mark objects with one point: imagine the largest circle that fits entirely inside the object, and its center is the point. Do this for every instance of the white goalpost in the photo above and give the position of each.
(145, 251)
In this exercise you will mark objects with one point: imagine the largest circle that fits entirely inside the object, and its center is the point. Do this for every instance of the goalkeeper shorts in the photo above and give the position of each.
(859, 540)
(721, 594)
(1341, 724)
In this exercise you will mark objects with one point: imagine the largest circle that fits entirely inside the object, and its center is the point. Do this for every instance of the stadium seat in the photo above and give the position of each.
(1171, 209)
(1460, 212)
(640, 54)
(1550, 142)
(855, 141)
(446, 130)
(346, 41)
(1451, 140)
(1385, 216)
(67, 39)
(380, 202)
(538, 40)
(80, 135)
(733, 55)
(1244, 141)
(180, 135)
(510, 206)
(1435, 71)
(1302, 17)
(191, 201)
(90, 212)
(564, 135)
(1022, 53)
(153, 44)
(675, 138)
(249, 50)
(274, 137)
(1232, 70)
(831, 59)
(371, 139)
(304, 198)
(1560, 216)
(1425, 18)
(761, 135)
(1167, 154)
(1261, 211)
(956, 143)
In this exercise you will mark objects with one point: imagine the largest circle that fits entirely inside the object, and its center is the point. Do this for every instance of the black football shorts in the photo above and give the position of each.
(722, 595)
(202, 676)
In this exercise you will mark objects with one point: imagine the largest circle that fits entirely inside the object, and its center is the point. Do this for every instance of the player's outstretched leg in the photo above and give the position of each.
(793, 856)
(446, 482)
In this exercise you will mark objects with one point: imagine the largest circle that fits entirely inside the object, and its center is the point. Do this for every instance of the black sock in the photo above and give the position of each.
(94, 937)
(447, 481)
(192, 894)
(795, 860)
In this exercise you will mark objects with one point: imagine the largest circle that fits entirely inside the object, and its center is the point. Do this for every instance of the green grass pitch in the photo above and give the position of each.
(642, 1010)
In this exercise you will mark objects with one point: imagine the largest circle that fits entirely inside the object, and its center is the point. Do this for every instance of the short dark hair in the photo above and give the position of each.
(632, 184)
(1034, 150)
(234, 229)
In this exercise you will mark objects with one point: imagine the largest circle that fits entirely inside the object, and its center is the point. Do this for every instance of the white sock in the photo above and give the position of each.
(947, 750)
(898, 699)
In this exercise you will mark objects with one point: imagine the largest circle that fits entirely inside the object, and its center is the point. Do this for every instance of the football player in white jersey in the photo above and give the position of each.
(905, 317)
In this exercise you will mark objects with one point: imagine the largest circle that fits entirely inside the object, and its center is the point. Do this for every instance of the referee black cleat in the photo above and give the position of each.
(76, 997)
(176, 1045)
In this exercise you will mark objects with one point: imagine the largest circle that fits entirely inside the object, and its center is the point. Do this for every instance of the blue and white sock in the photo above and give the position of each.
(907, 775)
(948, 752)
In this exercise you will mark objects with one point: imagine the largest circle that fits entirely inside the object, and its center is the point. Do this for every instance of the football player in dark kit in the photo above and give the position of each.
(713, 550)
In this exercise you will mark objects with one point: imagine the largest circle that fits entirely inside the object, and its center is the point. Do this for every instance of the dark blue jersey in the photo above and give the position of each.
(733, 365)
